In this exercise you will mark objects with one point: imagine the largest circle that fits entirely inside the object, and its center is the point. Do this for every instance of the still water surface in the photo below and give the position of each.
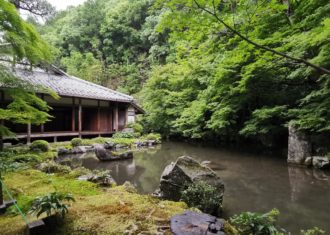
(252, 182)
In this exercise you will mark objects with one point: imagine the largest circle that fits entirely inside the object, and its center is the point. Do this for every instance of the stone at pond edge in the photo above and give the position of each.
(103, 155)
(109, 145)
(308, 161)
(129, 187)
(103, 180)
(180, 174)
(321, 162)
(299, 146)
(194, 223)
(63, 151)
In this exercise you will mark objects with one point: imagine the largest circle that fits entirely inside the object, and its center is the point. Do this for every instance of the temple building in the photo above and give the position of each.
(84, 109)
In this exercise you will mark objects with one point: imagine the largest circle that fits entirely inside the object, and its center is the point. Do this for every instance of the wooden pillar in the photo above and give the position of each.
(98, 116)
(28, 136)
(115, 117)
(126, 115)
(80, 118)
(73, 116)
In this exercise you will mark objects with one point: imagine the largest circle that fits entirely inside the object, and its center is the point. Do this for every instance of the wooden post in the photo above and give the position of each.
(98, 116)
(28, 137)
(115, 119)
(55, 139)
(73, 118)
(80, 118)
(126, 115)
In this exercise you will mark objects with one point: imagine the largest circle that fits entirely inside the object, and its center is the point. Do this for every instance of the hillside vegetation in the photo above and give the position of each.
(206, 69)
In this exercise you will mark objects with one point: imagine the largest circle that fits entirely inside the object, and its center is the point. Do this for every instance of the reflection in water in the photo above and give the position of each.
(252, 182)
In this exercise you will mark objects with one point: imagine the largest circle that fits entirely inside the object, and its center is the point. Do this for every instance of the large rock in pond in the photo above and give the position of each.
(180, 174)
(104, 155)
(193, 223)
(299, 146)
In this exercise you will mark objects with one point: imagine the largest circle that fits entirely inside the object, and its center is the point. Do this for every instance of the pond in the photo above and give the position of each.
(252, 182)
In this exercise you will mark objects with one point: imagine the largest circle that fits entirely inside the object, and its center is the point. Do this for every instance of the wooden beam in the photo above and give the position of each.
(80, 118)
(28, 136)
(115, 118)
(73, 116)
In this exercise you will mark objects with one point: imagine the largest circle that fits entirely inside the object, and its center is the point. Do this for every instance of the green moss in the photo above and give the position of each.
(230, 229)
(95, 212)
(28, 184)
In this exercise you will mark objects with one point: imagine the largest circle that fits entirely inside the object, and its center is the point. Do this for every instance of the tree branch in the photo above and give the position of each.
(299, 60)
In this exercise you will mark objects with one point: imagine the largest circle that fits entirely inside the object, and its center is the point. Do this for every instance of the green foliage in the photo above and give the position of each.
(21, 42)
(137, 127)
(249, 223)
(152, 136)
(216, 85)
(76, 142)
(128, 135)
(196, 78)
(53, 167)
(313, 231)
(203, 196)
(53, 203)
(113, 45)
(39, 145)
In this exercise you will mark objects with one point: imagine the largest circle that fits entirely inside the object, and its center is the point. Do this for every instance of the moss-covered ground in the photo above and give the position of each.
(96, 210)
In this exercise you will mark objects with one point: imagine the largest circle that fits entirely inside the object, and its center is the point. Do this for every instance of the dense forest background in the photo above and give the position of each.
(205, 69)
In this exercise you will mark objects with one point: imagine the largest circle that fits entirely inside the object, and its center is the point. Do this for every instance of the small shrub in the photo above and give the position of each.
(122, 141)
(249, 223)
(52, 203)
(53, 167)
(313, 231)
(202, 196)
(153, 136)
(127, 135)
(39, 145)
(137, 127)
(76, 142)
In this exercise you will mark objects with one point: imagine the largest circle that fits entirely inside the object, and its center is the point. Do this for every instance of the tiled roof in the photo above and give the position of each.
(66, 85)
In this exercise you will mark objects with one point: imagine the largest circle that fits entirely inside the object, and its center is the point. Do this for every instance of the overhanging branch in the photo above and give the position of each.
(299, 60)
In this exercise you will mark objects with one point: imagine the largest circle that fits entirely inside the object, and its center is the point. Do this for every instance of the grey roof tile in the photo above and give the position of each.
(66, 85)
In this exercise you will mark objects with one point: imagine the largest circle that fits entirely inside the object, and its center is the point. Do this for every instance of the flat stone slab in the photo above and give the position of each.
(5, 205)
(36, 228)
(194, 223)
